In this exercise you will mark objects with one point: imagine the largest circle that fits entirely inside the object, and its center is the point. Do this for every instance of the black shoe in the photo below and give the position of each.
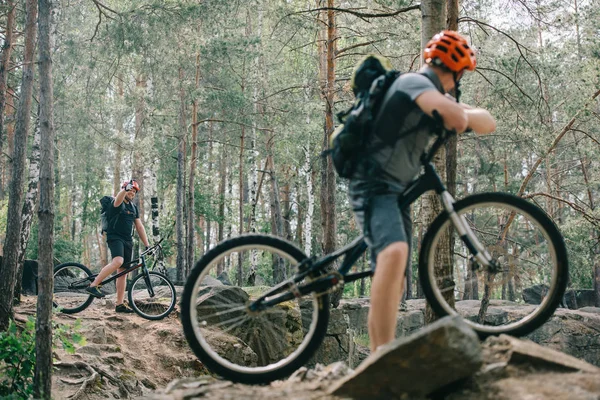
(95, 291)
(124, 308)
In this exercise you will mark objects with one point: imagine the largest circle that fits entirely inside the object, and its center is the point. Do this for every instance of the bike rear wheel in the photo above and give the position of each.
(70, 281)
(152, 296)
(530, 254)
(246, 344)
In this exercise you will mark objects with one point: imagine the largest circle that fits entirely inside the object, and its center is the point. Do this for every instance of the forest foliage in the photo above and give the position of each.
(125, 88)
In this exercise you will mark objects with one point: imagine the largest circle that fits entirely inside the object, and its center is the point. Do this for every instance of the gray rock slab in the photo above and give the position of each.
(439, 354)
(528, 352)
(593, 310)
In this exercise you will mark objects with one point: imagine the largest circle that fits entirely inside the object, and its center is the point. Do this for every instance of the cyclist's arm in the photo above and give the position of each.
(480, 120)
(139, 227)
(119, 198)
(453, 115)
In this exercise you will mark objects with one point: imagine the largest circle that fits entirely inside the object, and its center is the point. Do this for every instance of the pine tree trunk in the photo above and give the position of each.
(7, 49)
(328, 177)
(138, 159)
(9, 122)
(119, 142)
(279, 273)
(179, 220)
(8, 270)
(209, 156)
(434, 20)
(29, 206)
(42, 381)
(191, 230)
(222, 195)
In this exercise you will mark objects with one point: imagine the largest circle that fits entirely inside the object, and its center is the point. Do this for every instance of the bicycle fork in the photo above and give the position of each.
(477, 250)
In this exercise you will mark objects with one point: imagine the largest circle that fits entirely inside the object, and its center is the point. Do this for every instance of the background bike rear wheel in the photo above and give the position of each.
(240, 344)
(529, 250)
(70, 282)
(146, 305)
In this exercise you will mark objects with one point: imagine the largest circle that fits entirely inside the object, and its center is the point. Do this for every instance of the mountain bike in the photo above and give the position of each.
(151, 294)
(476, 260)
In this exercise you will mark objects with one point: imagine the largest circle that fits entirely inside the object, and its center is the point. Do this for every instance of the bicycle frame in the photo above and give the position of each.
(428, 180)
(139, 262)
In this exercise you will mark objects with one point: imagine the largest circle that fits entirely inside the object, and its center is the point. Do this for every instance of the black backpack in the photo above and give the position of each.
(348, 144)
(105, 204)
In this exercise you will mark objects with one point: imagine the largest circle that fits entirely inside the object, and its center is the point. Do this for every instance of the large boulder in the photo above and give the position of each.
(220, 304)
(444, 352)
(535, 294)
(29, 278)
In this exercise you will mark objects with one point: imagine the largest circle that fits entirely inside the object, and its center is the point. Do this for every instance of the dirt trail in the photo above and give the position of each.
(125, 355)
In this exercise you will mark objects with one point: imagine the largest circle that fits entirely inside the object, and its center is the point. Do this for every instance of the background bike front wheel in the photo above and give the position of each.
(153, 296)
(240, 344)
(70, 281)
(531, 278)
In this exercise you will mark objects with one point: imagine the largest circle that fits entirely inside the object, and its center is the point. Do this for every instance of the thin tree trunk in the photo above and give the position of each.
(8, 270)
(180, 185)
(28, 207)
(210, 184)
(138, 159)
(4, 67)
(42, 381)
(9, 122)
(328, 178)
(434, 20)
(222, 195)
(279, 273)
(192, 176)
(119, 142)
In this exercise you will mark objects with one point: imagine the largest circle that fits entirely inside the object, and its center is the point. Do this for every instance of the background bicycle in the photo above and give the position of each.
(151, 294)
(273, 322)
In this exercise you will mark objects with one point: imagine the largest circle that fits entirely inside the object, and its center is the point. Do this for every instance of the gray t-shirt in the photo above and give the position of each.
(399, 116)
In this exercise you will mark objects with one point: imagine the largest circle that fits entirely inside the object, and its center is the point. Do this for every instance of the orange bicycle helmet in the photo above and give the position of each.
(133, 183)
(451, 50)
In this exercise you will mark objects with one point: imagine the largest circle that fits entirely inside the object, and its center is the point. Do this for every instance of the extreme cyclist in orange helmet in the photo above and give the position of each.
(402, 130)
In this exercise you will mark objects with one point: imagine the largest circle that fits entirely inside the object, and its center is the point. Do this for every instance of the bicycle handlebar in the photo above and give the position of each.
(152, 248)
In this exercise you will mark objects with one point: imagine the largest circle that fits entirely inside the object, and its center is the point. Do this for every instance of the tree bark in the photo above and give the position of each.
(279, 273)
(328, 178)
(210, 184)
(119, 142)
(42, 381)
(180, 185)
(8, 270)
(28, 207)
(192, 177)
(222, 195)
(138, 157)
(434, 20)
(4, 67)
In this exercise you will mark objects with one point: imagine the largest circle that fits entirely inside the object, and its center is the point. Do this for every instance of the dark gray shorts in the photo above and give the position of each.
(376, 209)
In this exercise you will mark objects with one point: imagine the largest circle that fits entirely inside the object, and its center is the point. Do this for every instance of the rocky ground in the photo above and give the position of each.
(129, 357)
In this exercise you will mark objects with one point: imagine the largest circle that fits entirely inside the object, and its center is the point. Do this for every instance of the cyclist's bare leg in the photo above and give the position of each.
(121, 283)
(107, 270)
(386, 292)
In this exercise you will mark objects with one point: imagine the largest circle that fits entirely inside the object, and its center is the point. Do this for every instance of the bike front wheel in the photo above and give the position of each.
(526, 284)
(70, 281)
(230, 334)
(152, 296)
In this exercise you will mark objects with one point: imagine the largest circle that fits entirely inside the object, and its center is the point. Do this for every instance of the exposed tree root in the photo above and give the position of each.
(95, 374)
